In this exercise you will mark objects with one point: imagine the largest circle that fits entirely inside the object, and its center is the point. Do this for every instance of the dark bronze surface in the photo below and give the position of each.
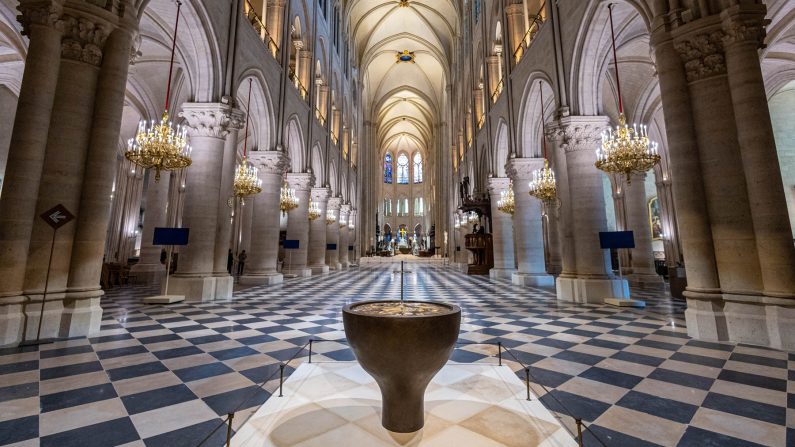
(402, 353)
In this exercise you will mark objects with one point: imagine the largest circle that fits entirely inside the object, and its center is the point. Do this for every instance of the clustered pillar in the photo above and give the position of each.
(528, 226)
(261, 265)
(196, 276)
(502, 231)
(587, 276)
(295, 259)
(739, 257)
(318, 233)
(75, 73)
(333, 235)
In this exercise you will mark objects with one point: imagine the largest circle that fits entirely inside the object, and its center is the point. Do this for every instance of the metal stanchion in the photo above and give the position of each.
(229, 429)
(499, 352)
(578, 421)
(527, 381)
(310, 350)
(281, 379)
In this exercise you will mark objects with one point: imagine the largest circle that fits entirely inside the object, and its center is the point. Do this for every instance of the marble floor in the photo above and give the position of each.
(167, 375)
(467, 404)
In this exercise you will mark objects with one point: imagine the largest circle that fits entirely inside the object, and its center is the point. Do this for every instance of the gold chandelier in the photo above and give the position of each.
(161, 145)
(506, 204)
(472, 217)
(314, 210)
(343, 221)
(287, 199)
(625, 150)
(543, 186)
(330, 218)
(247, 182)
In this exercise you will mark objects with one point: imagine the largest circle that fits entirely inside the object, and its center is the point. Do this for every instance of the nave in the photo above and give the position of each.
(168, 375)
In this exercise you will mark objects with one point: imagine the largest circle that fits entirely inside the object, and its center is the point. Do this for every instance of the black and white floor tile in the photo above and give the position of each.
(168, 375)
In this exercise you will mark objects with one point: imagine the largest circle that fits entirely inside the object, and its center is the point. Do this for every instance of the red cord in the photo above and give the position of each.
(615, 60)
(173, 49)
(543, 137)
(248, 118)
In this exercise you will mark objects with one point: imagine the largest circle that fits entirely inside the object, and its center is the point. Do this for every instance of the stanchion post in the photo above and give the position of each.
(527, 381)
(229, 429)
(310, 350)
(281, 379)
(578, 421)
(499, 352)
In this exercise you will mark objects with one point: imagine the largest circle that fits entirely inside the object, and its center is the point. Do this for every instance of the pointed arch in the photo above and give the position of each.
(294, 143)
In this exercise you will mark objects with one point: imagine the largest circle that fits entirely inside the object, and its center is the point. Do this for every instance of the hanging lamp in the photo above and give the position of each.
(507, 204)
(314, 210)
(161, 146)
(287, 199)
(625, 150)
(543, 186)
(247, 181)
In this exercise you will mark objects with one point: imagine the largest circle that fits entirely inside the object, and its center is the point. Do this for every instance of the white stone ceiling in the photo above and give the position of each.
(404, 99)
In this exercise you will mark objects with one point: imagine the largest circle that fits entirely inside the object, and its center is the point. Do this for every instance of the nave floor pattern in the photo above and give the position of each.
(167, 375)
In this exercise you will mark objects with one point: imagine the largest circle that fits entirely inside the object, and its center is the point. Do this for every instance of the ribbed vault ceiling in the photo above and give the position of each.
(404, 98)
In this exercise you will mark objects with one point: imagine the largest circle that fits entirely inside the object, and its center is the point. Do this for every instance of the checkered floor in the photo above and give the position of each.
(167, 375)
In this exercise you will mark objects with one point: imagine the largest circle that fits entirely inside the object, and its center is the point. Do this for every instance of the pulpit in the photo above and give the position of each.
(482, 249)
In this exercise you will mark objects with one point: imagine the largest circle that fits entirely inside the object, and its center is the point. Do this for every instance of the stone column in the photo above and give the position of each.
(208, 126)
(342, 249)
(478, 94)
(516, 27)
(637, 212)
(274, 19)
(306, 69)
(591, 280)
(149, 270)
(745, 32)
(501, 231)
(528, 226)
(333, 235)
(261, 265)
(223, 229)
(62, 179)
(493, 65)
(295, 260)
(704, 312)
(317, 233)
(26, 157)
(82, 313)
(323, 99)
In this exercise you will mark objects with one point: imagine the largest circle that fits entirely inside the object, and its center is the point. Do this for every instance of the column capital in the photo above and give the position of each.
(702, 54)
(84, 37)
(521, 169)
(334, 203)
(320, 194)
(269, 162)
(577, 133)
(302, 181)
(345, 209)
(39, 12)
(744, 25)
(498, 185)
(212, 120)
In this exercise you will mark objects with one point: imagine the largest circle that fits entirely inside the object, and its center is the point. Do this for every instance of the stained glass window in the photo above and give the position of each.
(417, 167)
(388, 168)
(403, 169)
(418, 206)
(387, 207)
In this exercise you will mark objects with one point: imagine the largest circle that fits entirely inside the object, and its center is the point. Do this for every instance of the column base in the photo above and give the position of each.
(82, 313)
(590, 290)
(704, 316)
(302, 272)
(645, 280)
(200, 288)
(147, 274)
(496, 273)
(263, 279)
(12, 320)
(319, 269)
(335, 266)
(533, 279)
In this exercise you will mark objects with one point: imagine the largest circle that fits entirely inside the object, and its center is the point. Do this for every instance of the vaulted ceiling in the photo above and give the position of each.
(404, 98)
